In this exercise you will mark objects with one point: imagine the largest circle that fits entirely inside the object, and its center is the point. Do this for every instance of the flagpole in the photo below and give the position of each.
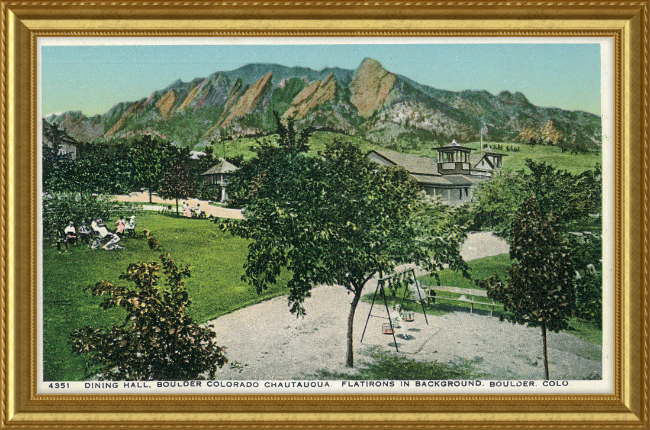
(482, 137)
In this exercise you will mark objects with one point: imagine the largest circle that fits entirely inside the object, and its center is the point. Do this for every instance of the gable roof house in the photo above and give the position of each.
(67, 146)
(452, 176)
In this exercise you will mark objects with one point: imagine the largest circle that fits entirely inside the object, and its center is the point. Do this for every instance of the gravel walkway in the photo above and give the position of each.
(216, 211)
(265, 341)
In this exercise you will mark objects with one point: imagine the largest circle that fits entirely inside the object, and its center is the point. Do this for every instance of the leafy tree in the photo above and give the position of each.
(157, 340)
(101, 168)
(539, 289)
(178, 183)
(586, 249)
(151, 159)
(575, 199)
(61, 208)
(56, 168)
(335, 219)
(245, 182)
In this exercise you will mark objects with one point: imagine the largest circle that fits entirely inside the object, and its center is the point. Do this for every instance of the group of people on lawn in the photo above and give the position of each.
(190, 212)
(101, 233)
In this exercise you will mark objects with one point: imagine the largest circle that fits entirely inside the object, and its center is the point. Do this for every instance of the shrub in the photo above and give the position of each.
(61, 208)
(157, 340)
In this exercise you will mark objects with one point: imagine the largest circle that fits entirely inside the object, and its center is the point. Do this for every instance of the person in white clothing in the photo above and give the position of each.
(398, 322)
(103, 233)
(70, 233)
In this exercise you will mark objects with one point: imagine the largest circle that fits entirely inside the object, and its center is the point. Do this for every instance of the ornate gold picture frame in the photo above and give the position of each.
(23, 22)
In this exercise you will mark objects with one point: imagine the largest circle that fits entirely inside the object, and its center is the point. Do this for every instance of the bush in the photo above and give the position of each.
(208, 192)
(589, 298)
(157, 340)
(586, 248)
(61, 208)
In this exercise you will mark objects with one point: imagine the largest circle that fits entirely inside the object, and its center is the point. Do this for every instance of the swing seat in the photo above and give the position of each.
(387, 329)
(408, 316)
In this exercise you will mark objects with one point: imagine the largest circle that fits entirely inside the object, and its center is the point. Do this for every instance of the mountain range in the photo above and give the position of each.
(371, 102)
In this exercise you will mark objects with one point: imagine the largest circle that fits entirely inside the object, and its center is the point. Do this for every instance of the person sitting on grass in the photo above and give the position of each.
(187, 211)
(84, 233)
(197, 211)
(94, 226)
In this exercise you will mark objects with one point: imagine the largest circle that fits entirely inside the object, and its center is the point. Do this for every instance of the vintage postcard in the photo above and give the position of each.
(325, 215)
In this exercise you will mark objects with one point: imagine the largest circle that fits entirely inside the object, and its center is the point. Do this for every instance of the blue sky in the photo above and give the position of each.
(95, 78)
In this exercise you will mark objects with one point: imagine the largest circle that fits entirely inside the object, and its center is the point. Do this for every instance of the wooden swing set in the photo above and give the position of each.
(407, 277)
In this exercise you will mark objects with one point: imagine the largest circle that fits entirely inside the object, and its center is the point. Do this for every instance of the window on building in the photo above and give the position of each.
(466, 192)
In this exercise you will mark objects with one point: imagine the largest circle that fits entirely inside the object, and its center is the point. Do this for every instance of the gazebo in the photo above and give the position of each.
(218, 175)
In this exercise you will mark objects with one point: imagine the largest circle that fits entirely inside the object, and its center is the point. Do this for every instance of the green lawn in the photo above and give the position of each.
(480, 268)
(483, 268)
(215, 287)
(317, 142)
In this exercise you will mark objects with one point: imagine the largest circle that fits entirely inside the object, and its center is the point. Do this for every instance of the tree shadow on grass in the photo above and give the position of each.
(386, 365)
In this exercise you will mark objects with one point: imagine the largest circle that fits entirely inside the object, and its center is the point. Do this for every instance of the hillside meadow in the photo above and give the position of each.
(573, 163)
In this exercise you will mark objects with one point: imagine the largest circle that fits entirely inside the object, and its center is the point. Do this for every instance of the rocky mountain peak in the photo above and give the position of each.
(383, 106)
(371, 87)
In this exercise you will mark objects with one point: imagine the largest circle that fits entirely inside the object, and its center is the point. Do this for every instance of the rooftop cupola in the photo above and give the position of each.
(453, 159)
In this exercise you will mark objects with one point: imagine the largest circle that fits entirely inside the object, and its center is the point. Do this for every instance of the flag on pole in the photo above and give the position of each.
(484, 130)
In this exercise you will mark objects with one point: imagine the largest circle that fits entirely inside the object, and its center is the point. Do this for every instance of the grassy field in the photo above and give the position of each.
(215, 287)
(574, 163)
(317, 143)
(483, 268)
(480, 268)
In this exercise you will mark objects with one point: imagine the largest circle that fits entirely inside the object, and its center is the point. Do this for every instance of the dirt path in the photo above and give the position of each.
(209, 209)
(265, 341)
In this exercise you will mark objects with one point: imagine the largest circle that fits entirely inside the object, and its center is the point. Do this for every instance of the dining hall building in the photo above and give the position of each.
(452, 176)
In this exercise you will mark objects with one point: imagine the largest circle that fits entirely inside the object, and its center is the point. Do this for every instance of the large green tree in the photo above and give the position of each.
(335, 219)
(575, 198)
(178, 183)
(539, 290)
(151, 158)
(61, 208)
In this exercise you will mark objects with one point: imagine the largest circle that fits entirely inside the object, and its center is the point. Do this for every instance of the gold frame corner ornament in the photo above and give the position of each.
(24, 21)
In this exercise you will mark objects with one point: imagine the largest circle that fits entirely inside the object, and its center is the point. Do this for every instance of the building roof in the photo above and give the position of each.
(445, 181)
(413, 164)
(221, 167)
(454, 146)
(476, 158)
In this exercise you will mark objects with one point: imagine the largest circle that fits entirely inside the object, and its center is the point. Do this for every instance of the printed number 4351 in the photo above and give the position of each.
(59, 385)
